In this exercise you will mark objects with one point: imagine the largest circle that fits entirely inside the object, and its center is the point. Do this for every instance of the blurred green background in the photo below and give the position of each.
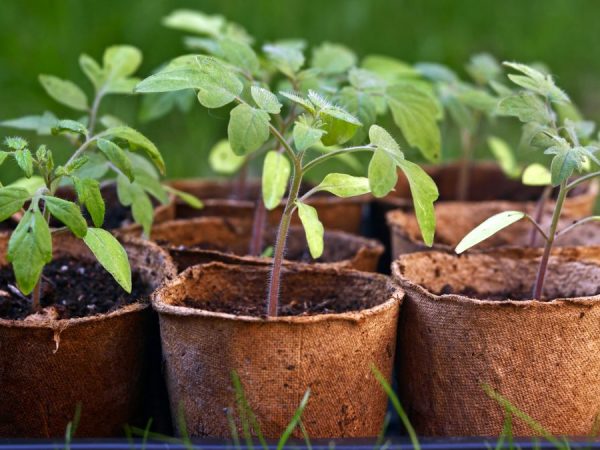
(46, 36)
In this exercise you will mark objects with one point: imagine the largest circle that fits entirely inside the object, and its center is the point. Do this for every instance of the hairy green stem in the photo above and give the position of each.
(577, 223)
(94, 113)
(543, 267)
(582, 179)
(321, 159)
(284, 226)
(539, 212)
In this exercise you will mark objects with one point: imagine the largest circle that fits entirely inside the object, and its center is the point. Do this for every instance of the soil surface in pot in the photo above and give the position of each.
(302, 294)
(258, 306)
(71, 288)
(524, 294)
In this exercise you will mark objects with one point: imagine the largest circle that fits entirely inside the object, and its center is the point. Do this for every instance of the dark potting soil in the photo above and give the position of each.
(524, 293)
(329, 305)
(70, 288)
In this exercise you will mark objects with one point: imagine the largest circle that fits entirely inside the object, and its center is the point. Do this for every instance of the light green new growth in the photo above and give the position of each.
(316, 113)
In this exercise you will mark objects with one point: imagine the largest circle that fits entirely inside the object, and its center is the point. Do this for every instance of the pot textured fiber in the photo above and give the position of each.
(455, 219)
(49, 367)
(344, 214)
(277, 359)
(228, 240)
(543, 356)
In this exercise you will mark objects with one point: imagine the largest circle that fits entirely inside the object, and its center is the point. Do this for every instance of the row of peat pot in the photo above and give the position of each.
(430, 326)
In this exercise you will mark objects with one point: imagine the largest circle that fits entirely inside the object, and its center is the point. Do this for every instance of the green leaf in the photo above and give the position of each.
(313, 228)
(389, 69)
(567, 160)
(360, 104)
(188, 198)
(340, 126)
(415, 113)
(536, 175)
(194, 22)
(382, 173)
(65, 92)
(117, 156)
(305, 103)
(222, 159)
(366, 80)
(134, 195)
(89, 195)
(275, 177)
(424, 193)
(111, 255)
(69, 126)
(216, 83)
(526, 106)
(288, 58)
(305, 136)
(265, 100)
(68, 213)
(31, 185)
(15, 142)
(488, 228)
(505, 156)
(248, 129)
(120, 61)
(41, 124)
(136, 140)
(436, 72)
(332, 58)
(12, 199)
(383, 140)
(92, 70)
(3, 156)
(171, 80)
(239, 54)
(24, 161)
(155, 106)
(30, 249)
(483, 68)
(343, 185)
(536, 81)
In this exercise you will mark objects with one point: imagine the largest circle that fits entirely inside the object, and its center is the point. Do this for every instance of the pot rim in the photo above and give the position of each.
(162, 307)
(137, 306)
(506, 252)
(368, 243)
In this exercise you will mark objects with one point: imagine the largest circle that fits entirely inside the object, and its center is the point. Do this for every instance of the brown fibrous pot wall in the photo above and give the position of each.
(277, 359)
(543, 356)
(48, 367)
(207, 239)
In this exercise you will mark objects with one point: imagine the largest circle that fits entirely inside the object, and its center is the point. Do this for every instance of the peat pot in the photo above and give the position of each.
(454, 220)
(207, 239)
(212, 323)
(459, 331)
(489, 188)
(48, 366)
(221, 199)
